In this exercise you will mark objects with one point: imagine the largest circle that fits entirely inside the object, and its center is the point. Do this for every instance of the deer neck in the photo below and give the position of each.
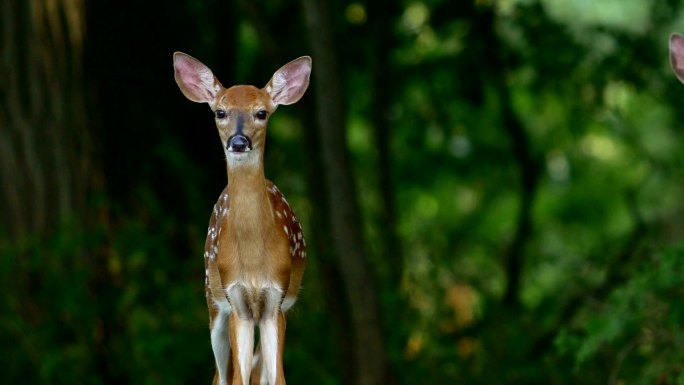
(250, 207)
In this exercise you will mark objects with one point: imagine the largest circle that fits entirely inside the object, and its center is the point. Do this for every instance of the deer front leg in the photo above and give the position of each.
(272, 333)
(241, 335)
(258, 371)
(220, 344)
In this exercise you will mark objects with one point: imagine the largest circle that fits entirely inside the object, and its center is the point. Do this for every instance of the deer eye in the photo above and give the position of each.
(261, 114)
(220, 114)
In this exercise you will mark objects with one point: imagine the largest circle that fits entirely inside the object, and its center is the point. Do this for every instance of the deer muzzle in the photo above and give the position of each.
(239, 143)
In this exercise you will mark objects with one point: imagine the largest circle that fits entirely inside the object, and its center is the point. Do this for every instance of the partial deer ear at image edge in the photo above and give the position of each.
(289, 83)
(677, 55)
(195, 79)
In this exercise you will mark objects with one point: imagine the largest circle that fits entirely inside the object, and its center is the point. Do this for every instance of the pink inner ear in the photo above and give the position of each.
(298, 75)
(677, 48)
(290, 82)
(195, 79)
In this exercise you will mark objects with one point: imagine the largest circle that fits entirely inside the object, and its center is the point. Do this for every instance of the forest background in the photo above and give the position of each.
(491, 190)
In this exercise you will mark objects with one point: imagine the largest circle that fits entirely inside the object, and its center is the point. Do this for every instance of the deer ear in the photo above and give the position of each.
(289, 83)
(194, 79)
(677, 55)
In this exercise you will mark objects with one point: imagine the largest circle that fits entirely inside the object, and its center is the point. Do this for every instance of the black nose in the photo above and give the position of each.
(239, 143)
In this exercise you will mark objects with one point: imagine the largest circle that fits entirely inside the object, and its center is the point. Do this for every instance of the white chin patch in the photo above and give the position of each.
(238, 155)
(241, 158)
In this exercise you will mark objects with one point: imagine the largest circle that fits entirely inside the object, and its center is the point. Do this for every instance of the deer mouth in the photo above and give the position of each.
(239, 144)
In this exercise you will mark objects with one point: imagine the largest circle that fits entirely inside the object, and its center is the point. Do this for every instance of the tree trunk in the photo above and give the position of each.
(44, 144)
(383, 14)
(360, 291)
(500, 63)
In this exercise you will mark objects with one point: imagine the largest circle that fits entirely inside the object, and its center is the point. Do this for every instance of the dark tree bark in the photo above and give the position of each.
(45, 162)
(529, 166)
(529, 182)
(47, 166)
(382, 14)
(360, 292)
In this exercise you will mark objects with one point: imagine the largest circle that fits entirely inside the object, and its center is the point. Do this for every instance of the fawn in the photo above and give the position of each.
(255, 253)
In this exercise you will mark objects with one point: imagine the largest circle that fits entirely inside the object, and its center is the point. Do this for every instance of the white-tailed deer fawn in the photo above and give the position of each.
(255, 252)
(677, 55)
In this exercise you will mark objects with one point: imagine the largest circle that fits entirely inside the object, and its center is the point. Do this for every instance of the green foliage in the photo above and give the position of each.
(119, 297)
(89, 307)
(637, 331)
(47, 323)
